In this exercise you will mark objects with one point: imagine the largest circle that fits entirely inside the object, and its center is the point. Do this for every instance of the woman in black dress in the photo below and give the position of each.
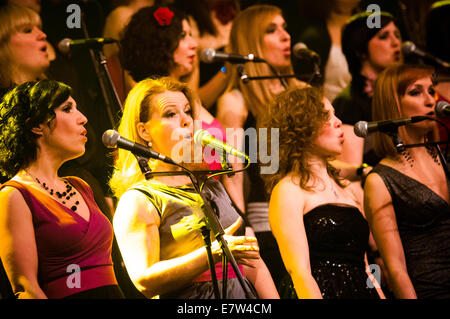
(315, 217)
(407, 193)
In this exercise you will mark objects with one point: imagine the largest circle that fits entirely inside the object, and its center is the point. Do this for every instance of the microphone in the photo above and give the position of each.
(210, 55)
(409, 48)
(204, 138)
(112, 139)
(65, 45)
(301, 51)
(442, 108)
(363, 128)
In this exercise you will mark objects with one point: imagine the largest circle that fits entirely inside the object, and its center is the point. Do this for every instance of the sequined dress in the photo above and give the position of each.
(337, 238)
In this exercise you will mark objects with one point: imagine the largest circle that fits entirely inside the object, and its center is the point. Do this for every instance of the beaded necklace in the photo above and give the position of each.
(64, 195)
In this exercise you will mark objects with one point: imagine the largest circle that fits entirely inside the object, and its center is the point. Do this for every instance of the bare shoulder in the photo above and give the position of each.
(134, 207)
(373, 182)
(376, 194)
(13, 208)
(11, 198)
(288, 193)
(231, 108)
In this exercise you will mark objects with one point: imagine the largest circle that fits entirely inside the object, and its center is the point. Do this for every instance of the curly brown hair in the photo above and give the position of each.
(146, 47)
(299, 114)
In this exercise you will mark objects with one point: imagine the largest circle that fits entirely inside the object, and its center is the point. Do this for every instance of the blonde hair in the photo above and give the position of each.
(137, 109)
(246, 36)
(390, 87)
(13, 17)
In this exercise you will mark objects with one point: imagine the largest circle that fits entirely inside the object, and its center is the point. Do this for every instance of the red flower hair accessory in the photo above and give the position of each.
(163, 16)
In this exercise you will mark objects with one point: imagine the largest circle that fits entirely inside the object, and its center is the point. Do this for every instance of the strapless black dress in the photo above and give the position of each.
(338, 239)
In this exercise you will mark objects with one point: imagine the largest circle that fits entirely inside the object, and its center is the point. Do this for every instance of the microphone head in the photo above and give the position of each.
(299, 46)
(110, 138)
(64, 45)
(408, 48)
(301, 51)
(207, 55)
(199, 135)
(361, 129)
(442, 108)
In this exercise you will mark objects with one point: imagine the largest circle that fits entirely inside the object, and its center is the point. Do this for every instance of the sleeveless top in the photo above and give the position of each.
(423, 220)
(182, 217)
(338, 238)
(66, 242)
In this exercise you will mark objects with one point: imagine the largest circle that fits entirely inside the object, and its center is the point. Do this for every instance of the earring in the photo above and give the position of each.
(150, 144)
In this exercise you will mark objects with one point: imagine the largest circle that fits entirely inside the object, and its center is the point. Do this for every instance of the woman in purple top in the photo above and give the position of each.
(56, 243)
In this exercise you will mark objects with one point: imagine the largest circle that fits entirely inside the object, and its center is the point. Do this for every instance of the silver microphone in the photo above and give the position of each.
(112, 139)
(210, 55)
(65, 45)
(363, 128)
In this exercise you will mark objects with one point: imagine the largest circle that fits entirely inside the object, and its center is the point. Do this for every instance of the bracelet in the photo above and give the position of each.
(360, 170)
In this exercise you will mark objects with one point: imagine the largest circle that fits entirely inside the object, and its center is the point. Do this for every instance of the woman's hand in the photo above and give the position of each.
(243, 248)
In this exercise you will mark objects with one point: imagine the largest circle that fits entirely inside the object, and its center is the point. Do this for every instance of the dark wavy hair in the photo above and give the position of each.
(299, 114)
(146, 47)
(24, 107)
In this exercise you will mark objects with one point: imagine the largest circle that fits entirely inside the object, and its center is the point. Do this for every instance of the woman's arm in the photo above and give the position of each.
(136, 225)
(259, 275)
(18, 246)
(211, 90)
(286, 220)
(381, 217)
(232, 114)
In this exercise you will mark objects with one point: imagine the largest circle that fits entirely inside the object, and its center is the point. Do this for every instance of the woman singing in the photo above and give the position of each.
(56, 243)
(158, 221)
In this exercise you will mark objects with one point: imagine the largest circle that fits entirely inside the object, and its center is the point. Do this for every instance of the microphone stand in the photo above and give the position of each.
(245, 78)
(309, 78)
(212, 224)
(398, 143)
(99, 61)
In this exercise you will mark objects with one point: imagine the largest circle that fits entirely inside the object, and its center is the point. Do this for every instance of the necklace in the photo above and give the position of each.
(65, 195)
(431, 150)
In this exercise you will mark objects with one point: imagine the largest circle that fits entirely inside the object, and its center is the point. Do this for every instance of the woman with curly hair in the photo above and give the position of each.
(315, 217)
(56, 243)
(260, 30)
